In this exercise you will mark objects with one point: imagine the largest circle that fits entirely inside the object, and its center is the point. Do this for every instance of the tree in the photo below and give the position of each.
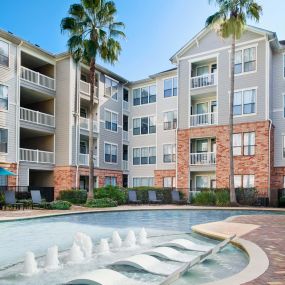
(230, 22)
(93, 32)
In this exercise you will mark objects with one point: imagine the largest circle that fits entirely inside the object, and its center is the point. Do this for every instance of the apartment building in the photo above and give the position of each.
(168, 130)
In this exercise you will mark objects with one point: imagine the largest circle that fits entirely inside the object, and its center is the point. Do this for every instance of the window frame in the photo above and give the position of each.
(173, 123)
(242, 91)
(172, 154)
(141, 179)
(242, 180)
(111, 147)
(283, 146)
(242, 145)
(149, 96)
(8, 44)
(7, 143)
(6, 85)
(172, 87)
(111, 180)
(112, 114)
(242, 49)
(111, 92)
(140, 157)
(149, 126)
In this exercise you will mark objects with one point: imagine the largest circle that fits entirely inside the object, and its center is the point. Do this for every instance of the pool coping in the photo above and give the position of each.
(135, 208)
(258, 259)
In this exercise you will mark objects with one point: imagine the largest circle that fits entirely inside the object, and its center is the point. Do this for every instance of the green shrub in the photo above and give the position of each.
(282, 201)
(207, 198)
(112, 192)
(73, 196)
(246, 196)
(2, 199)
(222, 198)
(101, 203)
(60, 205)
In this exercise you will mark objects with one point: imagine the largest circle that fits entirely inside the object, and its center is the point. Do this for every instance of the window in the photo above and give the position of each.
(83, 147)
(244, 102)
(3, 181)
(202, 182)
(111, 121)
(144, 125)
(83, 113)
(170, 120)
(4, 140)
(144, 155)
(244, 181)
(283, 145)
(244, 144)
(144, 95)
(4, 53)
(249, 143)
(170, 87)
(3, 97)
(169, 182)
(143, 181)
(237, 147)
(245, 60)
(169, 153)
(111, 88)
(110, 180)
(111, 151)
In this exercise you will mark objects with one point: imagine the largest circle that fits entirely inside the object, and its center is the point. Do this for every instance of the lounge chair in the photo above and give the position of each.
(152, 197)
(133, 197)
(175, 196)
(10, 200)
(37, 199)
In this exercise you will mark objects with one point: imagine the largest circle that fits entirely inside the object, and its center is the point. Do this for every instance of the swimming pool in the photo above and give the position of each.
(37, 235)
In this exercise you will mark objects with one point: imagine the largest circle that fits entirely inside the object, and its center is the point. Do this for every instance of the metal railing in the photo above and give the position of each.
(170, 125)
(204, 80)
(36, 117)
(125, 135)
(203, 119)
(37, 78)
(84, 124)
(35, 155)
(126, 105)
(203, 158)
(125, 165)
(84, 159)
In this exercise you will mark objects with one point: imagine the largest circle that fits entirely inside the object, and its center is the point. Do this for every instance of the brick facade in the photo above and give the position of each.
(12, 180)
(160, 174)
(65, 177)
(257, 164)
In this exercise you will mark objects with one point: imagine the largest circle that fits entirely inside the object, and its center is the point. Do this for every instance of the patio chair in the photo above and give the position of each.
(133, 197)
(10, 200)
(37, 199)
(152, 197)
(175, 196)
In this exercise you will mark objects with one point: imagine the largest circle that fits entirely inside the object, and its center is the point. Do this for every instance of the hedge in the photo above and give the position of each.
(60, 205)
(112, 192)
(101, 203)
(76, 197)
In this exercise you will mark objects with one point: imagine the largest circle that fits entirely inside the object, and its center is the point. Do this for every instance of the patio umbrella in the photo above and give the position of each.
(5, 172)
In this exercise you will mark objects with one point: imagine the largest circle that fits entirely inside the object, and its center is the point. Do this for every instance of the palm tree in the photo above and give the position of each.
(230, 22)
(93, 32)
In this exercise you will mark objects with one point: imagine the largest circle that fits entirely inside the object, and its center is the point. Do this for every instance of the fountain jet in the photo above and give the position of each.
(103, 247)
(116, 240)
(143, 237)
(52, 262)
(130, 240)
(30, 264)
(75, 254)
(85, 243)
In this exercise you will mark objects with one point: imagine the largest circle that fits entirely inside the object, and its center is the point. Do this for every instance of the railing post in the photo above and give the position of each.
(37, 152)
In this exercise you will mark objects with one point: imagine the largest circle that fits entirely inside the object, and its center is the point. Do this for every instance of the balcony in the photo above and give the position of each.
(37, 156)
(206, 80)
(126, 106)
(84, 125)
(126, 136)
(125, 165)
(37, 78)
(36, 117)
(203, 158)
(85, 87)
(84, 159)
(205, 119)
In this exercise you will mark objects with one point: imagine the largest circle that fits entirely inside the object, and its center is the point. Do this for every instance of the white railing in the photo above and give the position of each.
(126, 136)
(37, 78)
(36, 117)
(84, 124)
(203, 119)
(204, 80)
(85, 87)
(35, 155)
(203, 158)
(126, 105)
(125, 165)
(84, 159)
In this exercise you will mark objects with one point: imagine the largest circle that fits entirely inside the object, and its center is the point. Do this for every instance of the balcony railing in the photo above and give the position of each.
(36, 117)
(126, 105)
(84, 159)
(35, 155)
(125, 135)
(37, 78)
(85, 87)
(203, 158)
(125, 165)
(170, 125)
(203, 119)
(204, 80)
(84, 125)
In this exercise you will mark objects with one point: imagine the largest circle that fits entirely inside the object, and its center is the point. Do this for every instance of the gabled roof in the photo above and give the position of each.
(206, 30)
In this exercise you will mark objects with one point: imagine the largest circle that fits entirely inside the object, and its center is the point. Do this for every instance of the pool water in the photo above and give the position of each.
(37, 235)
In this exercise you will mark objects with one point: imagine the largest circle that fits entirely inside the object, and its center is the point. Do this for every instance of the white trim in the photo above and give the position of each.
(8, 101)
(283, 59)
(112, 112)
(148, 116)
(140, 88)
(112, 144)
(6, 153)
(111, 78)
(9, 51)
(172, 83)
(140, 147)
(172, 144)
(210, 56)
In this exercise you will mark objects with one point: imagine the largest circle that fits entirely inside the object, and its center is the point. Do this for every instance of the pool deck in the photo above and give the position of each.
(262, 236)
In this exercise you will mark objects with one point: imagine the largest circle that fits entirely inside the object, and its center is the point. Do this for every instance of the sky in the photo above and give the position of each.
(155, 29)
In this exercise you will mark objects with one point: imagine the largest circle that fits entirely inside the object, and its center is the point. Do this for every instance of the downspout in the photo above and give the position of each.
(18, 112)
(269, 158)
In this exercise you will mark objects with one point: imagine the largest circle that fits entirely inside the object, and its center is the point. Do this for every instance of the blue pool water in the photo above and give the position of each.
(38, 234)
